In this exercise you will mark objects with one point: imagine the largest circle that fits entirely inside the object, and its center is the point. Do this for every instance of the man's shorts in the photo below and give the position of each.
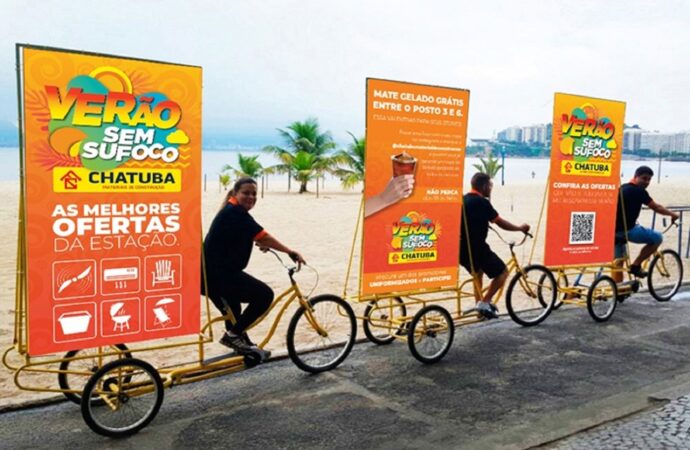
(483, 259)
(638, 235)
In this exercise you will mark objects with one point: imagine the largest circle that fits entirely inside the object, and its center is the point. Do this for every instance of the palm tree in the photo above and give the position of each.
(305, 137)
(353, 159)
(489, 166)
(248, 166)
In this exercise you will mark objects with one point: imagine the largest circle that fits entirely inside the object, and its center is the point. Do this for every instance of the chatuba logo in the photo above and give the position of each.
(414, 239)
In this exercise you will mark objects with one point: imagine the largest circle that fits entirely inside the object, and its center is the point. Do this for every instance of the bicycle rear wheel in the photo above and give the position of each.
(602, 298)
(431, 334)
(321, 337)
(531, 295)
(377, 320)
(665, 275)
(75, 381)
(132, 394)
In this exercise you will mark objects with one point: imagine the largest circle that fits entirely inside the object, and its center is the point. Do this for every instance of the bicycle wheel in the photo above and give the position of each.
(378, 316)
(430, 334)
(665, 275)
(326, 334)
(561, 282)
(132, 394)
(531, 295)
(601, 298)
(73, 381)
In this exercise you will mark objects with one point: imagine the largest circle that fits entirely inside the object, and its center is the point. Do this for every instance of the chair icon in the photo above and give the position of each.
(160, 312)
(164, 273)
(120, 319)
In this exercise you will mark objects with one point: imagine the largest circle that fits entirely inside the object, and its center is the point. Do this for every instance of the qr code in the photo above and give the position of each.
(582, 227)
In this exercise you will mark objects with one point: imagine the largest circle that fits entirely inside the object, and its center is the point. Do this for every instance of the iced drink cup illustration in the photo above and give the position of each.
(403, 164)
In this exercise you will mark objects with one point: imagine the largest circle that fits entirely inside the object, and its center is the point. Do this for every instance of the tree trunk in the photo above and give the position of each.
(303, 187)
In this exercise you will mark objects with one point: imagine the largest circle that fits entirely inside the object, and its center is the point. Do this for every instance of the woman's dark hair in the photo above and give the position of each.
(236, 188)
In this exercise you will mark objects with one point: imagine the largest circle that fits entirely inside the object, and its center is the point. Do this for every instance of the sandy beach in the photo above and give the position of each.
(320, 228)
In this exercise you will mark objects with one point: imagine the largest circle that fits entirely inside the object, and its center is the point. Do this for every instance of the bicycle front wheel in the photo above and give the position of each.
(131, 391)
(531, 295)
(665, 275)
(321, 335)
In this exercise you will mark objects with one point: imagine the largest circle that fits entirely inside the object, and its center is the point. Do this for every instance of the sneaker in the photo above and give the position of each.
(235, 342)
(638, 272)
(265, 354)
(493, 307)
(486, 310)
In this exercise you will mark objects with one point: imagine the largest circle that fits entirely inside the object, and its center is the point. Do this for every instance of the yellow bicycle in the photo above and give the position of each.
(120, 394)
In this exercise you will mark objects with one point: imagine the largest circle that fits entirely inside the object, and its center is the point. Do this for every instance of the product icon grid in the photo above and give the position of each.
(92, 298)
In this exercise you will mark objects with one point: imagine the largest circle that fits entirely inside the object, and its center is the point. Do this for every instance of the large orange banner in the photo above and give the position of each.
(415, 153)
(112, 192)
(586, 149)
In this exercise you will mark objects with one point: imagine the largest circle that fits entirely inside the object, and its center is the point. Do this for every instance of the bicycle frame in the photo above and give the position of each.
(419, 298)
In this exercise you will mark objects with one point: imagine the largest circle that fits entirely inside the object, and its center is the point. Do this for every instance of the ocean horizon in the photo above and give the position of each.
(517, 170)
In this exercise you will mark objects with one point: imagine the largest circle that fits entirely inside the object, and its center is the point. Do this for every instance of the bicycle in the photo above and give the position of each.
(430, 331)
(664, 278)
(122, 396)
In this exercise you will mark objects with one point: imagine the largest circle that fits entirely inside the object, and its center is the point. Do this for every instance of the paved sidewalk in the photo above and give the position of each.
(500, 386)
(665, 428)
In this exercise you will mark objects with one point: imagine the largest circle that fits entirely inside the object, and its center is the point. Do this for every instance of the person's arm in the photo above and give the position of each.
(268, 241)
(509, 226)
(661, 209)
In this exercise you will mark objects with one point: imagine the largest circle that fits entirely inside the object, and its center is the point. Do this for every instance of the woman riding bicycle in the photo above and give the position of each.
(227, 248)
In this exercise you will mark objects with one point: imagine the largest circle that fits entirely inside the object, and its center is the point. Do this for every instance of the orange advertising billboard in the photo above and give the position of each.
(415, 152)
(586, 148)
(111, 182)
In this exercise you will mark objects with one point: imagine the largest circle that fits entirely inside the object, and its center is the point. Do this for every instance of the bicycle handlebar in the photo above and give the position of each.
(525, 235)
(293, 269)
(671, 225)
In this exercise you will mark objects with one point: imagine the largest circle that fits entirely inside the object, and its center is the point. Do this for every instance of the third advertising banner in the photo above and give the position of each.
(415, 153)
(586, 149)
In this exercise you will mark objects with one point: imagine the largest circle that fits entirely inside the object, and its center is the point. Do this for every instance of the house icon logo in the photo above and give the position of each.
(70, 180)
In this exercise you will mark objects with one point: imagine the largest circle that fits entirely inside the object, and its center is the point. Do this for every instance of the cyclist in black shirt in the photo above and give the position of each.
(475, 254)
(634, 195)
(227, 248)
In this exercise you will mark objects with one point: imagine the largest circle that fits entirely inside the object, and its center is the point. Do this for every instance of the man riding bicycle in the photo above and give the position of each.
(632, 196)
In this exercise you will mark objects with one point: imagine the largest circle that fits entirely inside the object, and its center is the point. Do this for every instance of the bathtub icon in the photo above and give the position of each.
(75, 322)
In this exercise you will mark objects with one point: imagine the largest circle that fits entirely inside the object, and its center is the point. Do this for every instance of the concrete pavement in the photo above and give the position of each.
(500, 386)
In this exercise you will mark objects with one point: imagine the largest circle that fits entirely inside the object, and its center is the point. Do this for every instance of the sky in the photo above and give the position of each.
(269, 63)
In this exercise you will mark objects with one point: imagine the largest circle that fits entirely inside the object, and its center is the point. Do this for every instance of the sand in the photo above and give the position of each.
(320, 228)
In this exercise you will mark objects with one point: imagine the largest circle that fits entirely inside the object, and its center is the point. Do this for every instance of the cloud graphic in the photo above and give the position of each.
(178, 137)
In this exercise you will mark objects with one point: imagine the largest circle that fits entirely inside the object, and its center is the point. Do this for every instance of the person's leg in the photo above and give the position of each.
(223, 305)
(496, 284)
(258, 296)
(652, 240)
(495, 269)
(620, 251)
(477, 275)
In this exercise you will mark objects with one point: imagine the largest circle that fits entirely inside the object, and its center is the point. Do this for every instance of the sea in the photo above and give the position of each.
(517, 170)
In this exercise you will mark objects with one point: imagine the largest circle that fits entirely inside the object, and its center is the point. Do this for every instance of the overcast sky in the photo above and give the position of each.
(268, 63)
